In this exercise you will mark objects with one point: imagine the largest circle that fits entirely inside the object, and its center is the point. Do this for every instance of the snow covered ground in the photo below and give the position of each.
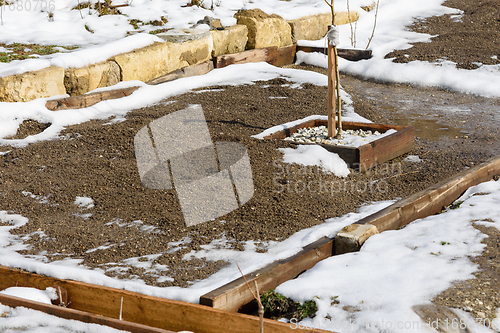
(407, 266)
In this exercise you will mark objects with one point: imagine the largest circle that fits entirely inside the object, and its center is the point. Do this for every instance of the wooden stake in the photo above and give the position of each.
(331, 92)
(121, 309)
(337, 88)
(333, 83)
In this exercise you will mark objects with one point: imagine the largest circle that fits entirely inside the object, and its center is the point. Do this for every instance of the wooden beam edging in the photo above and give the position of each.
(419, 205)
(142, 309)
(272, 55)
(348, 54)
(83, 101)
(83, 316)
(235, 294)
(198, 69)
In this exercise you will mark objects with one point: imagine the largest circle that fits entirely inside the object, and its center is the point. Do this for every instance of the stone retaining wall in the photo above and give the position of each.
(79, 81)
(28, 86)
(255, 29)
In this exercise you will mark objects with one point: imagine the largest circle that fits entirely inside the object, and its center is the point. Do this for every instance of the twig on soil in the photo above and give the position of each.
(406, 173)
(257, 297)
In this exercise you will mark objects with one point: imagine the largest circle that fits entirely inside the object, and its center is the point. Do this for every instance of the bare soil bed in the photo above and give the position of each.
(94, 160)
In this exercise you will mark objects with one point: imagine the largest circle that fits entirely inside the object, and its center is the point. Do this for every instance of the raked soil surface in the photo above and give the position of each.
(97, 160)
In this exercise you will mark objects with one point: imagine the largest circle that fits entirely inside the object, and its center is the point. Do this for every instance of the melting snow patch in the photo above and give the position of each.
(316, 155)
(39, 198)
(33, 294)
(413, 158)
(84, 202)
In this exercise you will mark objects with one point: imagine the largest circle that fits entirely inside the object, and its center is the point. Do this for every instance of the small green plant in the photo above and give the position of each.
(307, 309)
(20, 51)
(135, 23)
(198, 3)
(279, 306)
(102, 7)
(88, 29)
(444, 243)
(456, 204)
(158, 23)
(158, 31)
(274, 302)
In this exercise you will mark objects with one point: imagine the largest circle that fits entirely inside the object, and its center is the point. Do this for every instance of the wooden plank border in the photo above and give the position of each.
(143, 309)
(83, 101)
(194, 70)
(419, 205)
(348, 54)
(234, 295)
(83, 316)
(273, 55)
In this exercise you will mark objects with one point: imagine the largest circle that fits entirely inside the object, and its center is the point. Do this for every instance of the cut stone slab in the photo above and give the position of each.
(264, 30)
(212, 22)
(314, 27)
(32, 85)
(79, 81)
(233, 39)
(352, 237)
(155, 60)
(183, 35)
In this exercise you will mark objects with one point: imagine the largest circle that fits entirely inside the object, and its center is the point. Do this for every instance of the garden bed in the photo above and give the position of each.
(368, 155)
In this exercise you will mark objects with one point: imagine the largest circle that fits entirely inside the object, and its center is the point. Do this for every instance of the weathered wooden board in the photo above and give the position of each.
(369, 155)
(433, 199)
(421, 204)
(348, 54)
(83, 101)
(85, 317)
(273, 55)
(234, 295)
(143, 309)
(194, 70)
(282, 56)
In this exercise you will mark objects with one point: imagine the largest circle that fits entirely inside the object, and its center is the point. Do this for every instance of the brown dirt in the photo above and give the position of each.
(98, 161)
(467, 41)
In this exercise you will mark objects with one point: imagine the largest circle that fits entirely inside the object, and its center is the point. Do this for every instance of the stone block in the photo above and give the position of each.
(264, 30)
(158, 59)
(28, 86)
(79, 81)
(230, 40)
(352, 237)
